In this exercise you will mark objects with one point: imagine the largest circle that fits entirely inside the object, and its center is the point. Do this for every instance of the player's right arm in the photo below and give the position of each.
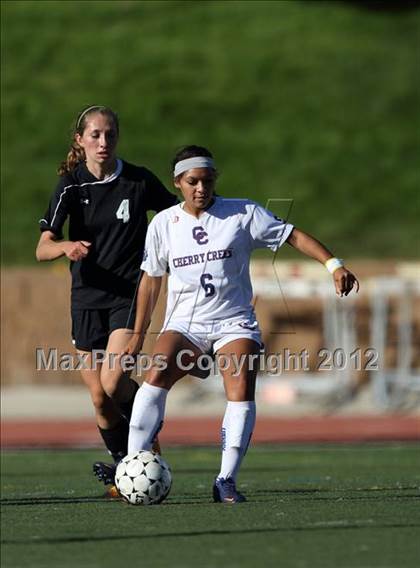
(51, 244)
(51, 247)
(154, 267)
(147, 297)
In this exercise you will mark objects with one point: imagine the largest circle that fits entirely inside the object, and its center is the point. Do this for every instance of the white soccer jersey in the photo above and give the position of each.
(208, 258)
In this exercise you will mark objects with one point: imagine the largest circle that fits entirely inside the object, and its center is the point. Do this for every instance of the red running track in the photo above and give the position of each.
(203, 431)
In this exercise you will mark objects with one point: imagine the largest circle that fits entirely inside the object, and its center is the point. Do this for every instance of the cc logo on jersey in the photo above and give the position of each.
(200, 235)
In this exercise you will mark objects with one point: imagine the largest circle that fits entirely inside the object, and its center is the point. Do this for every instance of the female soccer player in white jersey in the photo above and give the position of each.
(205, 244)
(106, 201)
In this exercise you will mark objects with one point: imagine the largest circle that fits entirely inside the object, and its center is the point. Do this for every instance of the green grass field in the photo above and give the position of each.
(318, 506)
(312, 101)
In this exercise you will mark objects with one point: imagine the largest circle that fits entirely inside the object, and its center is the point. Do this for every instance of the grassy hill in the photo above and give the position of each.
(316, 102)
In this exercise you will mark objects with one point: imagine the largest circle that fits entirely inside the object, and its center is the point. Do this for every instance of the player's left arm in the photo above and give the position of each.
(344, 280)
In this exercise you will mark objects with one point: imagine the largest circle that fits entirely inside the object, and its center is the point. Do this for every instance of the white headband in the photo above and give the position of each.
(198, 162)
(98, 107)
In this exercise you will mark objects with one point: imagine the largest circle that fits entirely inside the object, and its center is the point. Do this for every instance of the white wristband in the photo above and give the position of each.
(333, 263)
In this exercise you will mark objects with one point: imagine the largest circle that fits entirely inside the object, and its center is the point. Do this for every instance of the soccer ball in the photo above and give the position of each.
(143, 478)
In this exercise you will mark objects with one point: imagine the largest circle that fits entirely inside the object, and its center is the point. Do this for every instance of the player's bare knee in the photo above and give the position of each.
(240, 389)
(111, 383)
(100, 401)
(111, 388)
(157, 378)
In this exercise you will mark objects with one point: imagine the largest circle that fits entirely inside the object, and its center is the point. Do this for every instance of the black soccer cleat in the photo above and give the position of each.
(105, 472)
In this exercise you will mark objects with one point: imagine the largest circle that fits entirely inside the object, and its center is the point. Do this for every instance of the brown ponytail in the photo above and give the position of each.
(74, 157)
(76, 153)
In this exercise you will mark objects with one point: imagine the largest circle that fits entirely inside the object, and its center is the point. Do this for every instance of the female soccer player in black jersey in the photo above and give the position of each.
(106, 201)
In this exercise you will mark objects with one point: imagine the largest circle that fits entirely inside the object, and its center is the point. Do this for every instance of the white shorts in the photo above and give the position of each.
(210, 337)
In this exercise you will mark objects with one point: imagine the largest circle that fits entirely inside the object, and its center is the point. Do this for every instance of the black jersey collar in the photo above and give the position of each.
(88, 177)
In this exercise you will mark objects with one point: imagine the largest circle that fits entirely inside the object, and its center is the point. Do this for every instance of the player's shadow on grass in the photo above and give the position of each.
(326, 494)
(182, 499)
(303, 490)
(309, 494)
(55, 500)
(248, 469)
(315, 528)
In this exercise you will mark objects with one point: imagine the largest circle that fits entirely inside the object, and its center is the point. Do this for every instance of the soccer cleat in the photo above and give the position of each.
(224, 491)
(156, 446)
(112, 492)
(105, 472)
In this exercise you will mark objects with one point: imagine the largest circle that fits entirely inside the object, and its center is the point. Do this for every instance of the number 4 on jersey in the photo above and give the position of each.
(123, 211)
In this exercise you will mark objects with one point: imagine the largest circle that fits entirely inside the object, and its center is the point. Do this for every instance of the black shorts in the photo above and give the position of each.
(92, 328)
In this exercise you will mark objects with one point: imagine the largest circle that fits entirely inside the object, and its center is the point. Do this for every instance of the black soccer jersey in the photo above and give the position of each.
(112, 215)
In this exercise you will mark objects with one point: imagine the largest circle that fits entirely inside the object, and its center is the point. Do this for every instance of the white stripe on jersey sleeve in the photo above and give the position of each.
(59, 203)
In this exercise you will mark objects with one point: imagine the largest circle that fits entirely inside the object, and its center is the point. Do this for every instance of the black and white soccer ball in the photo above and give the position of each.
(143, 478)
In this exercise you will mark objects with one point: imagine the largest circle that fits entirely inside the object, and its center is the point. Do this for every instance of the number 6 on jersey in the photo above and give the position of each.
(209, 289)
(123, 211)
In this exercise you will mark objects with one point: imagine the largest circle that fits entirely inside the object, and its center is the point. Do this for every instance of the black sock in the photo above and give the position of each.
(116, 439)
(127, 407)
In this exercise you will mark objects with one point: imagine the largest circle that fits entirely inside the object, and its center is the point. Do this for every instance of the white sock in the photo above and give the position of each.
(237, 427)
(146, 417)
